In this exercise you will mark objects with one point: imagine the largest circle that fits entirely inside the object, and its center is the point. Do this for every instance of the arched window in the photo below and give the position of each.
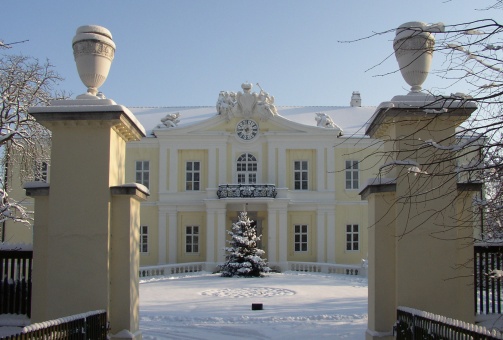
(247, 169)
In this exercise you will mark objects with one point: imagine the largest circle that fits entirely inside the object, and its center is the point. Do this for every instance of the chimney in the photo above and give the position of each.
(356, 100)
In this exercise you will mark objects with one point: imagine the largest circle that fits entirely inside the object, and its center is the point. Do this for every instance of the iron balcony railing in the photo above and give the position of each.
(246, 190)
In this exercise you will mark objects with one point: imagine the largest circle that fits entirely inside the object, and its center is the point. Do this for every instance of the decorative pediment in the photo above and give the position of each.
(246, 104)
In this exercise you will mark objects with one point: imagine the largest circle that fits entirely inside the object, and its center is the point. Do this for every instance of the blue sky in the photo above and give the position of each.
(182, 53)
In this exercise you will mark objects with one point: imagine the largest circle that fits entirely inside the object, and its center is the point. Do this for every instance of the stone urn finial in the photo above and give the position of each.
(93, 50)
(413, 47)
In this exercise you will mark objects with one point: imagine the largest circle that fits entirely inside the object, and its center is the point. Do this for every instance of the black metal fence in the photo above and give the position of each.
(15, 282)
(87, 326)
(412, 324)
(487, 284)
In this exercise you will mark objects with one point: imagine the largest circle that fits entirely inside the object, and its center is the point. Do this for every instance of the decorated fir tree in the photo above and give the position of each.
(243, 257)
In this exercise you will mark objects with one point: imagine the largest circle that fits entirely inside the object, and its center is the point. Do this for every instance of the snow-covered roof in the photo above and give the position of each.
(352, 120)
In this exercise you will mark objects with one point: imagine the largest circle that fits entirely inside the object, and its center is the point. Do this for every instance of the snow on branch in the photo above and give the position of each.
(416, 171)
(471, 56)
(439, 27)
(414, 168)
(10, 209)
(7, 136)
(491, 47)
(473, 32)
(455, 147)
(495, 274)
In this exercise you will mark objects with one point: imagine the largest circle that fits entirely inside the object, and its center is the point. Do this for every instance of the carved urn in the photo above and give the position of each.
(93, 50)
(413, 46)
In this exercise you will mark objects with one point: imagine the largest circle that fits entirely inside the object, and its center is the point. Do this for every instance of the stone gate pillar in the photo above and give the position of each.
(419, 240)
(86, 248)
(86, 234)
(420, 234)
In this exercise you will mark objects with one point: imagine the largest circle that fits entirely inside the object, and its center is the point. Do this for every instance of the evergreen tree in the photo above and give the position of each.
(243, 257)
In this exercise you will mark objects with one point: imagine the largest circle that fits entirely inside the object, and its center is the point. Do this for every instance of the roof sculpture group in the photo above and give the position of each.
(246, 103)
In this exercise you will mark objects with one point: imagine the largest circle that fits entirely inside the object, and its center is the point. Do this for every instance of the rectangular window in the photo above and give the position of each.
(352, 237)
(300, 237)
(143, 173)
(192, 176)
(143, 239)
(192, 239)
(300, 173)
(41, 171)
(352, 175)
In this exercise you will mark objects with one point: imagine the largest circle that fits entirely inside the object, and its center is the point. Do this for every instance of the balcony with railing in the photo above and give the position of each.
(246, 190)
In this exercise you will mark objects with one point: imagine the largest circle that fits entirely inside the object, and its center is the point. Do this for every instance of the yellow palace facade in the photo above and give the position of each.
(297, 171)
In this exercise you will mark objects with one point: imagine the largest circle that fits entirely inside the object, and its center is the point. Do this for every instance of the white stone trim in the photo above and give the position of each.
(162, 230)
(172, 235)
(321, 245)
(173, 172)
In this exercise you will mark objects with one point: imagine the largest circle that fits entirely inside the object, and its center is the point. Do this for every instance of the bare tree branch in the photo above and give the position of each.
(471, 55)
(24, 82)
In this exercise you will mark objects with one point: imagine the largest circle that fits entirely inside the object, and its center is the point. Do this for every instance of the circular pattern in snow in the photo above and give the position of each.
(238, 293)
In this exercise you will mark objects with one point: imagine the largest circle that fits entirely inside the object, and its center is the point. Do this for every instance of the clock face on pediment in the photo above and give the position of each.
(247, 129)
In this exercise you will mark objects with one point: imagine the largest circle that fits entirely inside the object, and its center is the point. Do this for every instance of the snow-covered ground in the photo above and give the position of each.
(295, 306)
(207, 306)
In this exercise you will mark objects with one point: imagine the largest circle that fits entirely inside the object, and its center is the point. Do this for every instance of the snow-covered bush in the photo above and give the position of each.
(243, 258)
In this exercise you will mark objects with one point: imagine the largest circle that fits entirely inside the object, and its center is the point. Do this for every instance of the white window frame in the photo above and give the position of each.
(352, 237)
(247, 168)
(192, 239)
(352, 175)
(300, 238)
(191, 183)
(142, 173)
(144, 239)
(301, 175)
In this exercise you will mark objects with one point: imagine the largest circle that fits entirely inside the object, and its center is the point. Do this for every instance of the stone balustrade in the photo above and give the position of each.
(309, 267)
